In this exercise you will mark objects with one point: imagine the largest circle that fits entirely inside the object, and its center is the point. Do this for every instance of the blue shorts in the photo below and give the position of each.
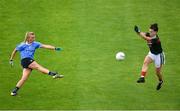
(26, 62)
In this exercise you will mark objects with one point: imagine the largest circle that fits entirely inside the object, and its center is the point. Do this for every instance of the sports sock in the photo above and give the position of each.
(15, 89)
(52, 73)
(160, 81)
(143, 74)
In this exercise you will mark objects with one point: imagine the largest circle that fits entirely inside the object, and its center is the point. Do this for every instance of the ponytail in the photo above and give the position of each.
(27, 36)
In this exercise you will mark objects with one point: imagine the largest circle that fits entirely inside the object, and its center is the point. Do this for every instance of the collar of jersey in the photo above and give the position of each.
(28, 43)
(154, 37)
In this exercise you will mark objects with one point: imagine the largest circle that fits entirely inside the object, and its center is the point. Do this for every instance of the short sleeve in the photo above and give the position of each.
(20, 47)
(38, 45)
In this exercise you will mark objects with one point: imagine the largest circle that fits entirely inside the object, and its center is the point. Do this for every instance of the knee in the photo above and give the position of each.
(34, 67)
(145, 63)
(38, 68)
(158, 70)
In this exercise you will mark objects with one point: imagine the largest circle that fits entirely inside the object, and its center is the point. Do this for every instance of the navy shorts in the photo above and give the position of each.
(26, 62)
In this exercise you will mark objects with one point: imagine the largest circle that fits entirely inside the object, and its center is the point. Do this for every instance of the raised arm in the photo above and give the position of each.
(141, 34)
(50, 47)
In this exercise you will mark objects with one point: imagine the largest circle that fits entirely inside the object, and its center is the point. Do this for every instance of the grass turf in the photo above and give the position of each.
(91, 33)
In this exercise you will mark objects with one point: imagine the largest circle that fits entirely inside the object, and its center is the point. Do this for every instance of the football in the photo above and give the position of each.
(120, 56)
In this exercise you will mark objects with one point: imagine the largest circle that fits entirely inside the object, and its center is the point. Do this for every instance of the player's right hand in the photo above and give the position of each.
(11, 62)
(136, 29)
(148, 34)
(58, 49)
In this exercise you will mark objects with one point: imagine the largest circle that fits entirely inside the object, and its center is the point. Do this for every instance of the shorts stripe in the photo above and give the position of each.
(162, 58)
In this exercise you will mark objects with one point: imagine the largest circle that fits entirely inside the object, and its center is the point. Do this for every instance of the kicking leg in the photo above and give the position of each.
(36, 66)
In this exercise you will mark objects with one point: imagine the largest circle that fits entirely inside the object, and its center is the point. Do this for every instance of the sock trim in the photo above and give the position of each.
(143, 73)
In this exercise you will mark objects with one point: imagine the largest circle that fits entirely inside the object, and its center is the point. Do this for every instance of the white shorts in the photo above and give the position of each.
(158, 59)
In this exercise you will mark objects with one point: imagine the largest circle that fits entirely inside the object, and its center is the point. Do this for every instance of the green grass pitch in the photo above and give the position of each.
(91, 32)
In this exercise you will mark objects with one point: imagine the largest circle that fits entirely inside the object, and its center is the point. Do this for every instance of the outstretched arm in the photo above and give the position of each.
(50, 47)
(141, 34)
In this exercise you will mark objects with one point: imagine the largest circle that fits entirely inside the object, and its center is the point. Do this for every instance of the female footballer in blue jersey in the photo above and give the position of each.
(155, 54)
(27, 50)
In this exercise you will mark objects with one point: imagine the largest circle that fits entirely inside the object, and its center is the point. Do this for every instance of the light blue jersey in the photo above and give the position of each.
(27, 50)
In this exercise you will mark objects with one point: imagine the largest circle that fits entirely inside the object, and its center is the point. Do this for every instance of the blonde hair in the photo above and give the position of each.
(27, 36)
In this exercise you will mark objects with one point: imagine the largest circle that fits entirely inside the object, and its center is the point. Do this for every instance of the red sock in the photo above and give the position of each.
(143, 74)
